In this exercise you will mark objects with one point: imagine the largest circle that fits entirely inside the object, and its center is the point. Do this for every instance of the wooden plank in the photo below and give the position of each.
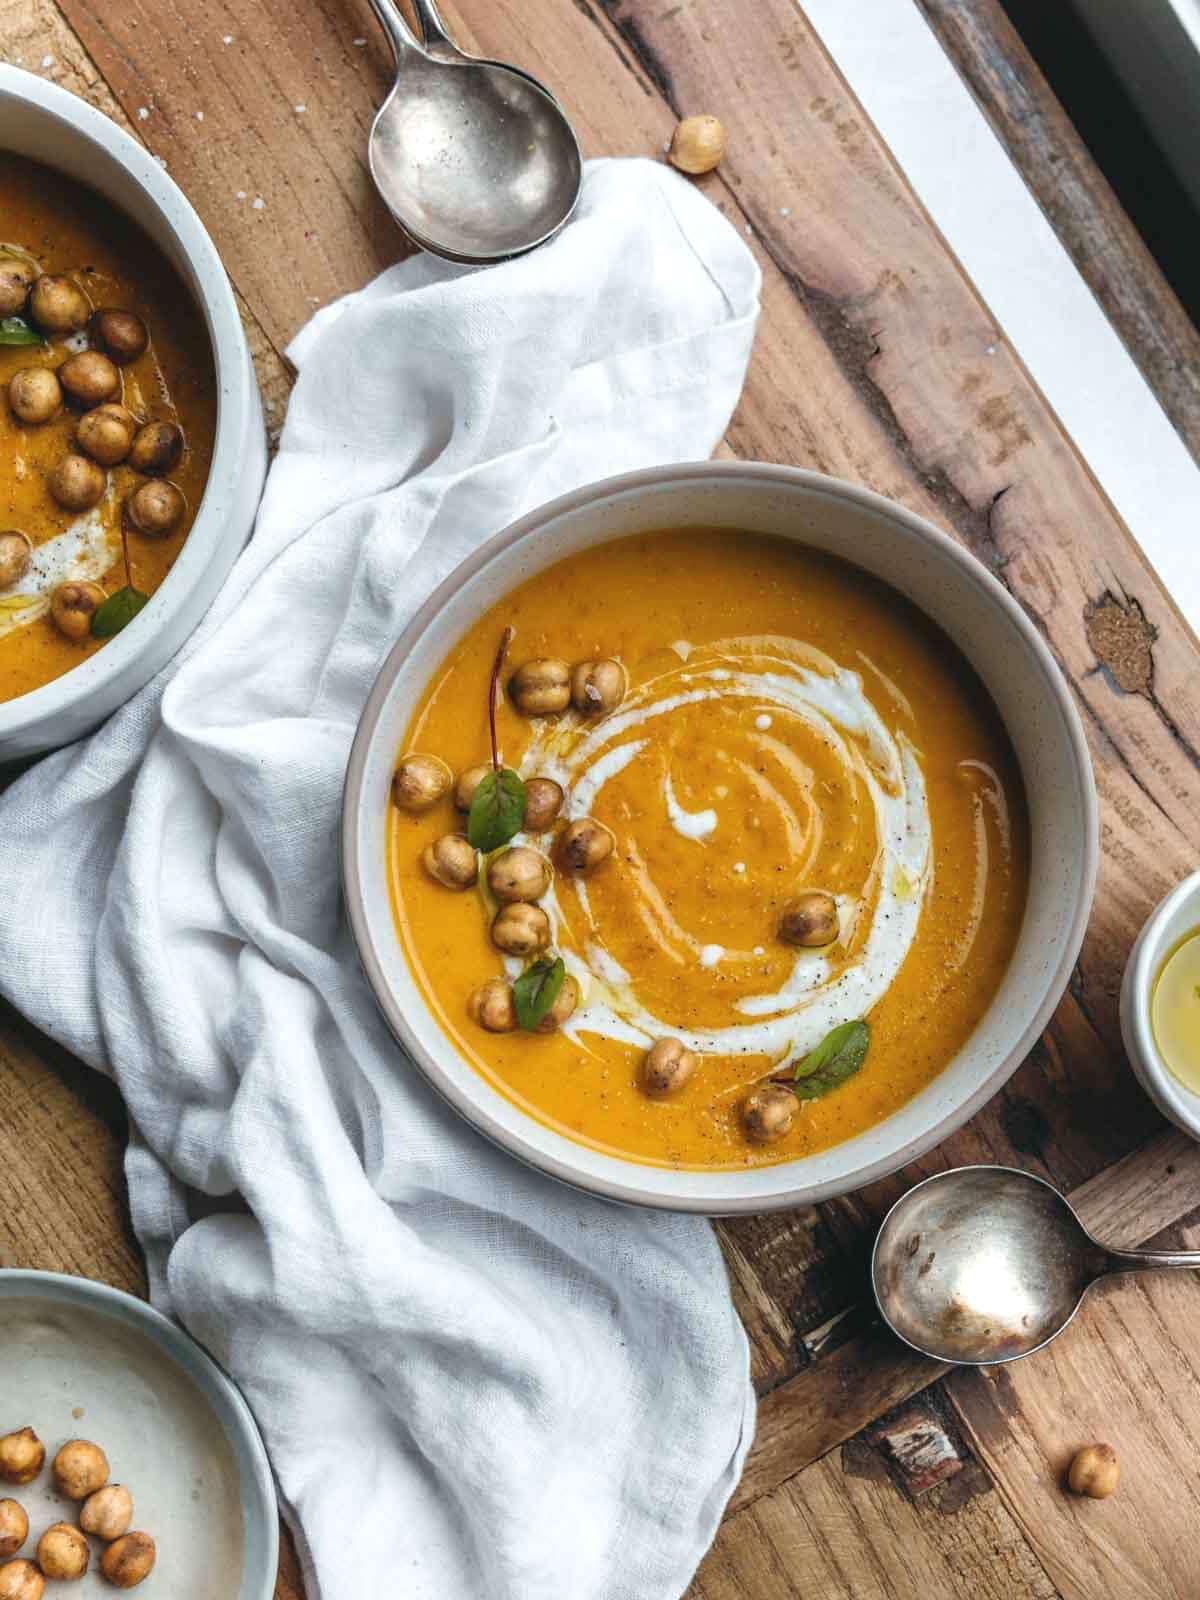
(1081, 206)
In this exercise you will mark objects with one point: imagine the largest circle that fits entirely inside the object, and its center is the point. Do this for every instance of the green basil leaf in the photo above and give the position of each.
(838, 1057)
(15, 330)
(536, 990)
(117, 612)
(497, 810)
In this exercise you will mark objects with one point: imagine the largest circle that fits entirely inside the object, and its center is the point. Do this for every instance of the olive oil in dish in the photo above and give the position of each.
(1175, 1010)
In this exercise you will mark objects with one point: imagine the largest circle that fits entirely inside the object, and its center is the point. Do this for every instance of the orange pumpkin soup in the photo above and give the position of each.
(777, 840)
(107, 419)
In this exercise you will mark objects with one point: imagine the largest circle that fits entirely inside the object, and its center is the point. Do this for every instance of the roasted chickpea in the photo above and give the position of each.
(35, 395)
(1094, 1471)
(584, 845)
(63, 1553)
(72, 607)
(420, 782)
(565, 1002)
(21, 1580)
(90, 378)
(518, 873)
(597, 686)
(16, 552)
(79, 1469)
(451, 861)
(767, 1112)
(666, 1067)
(541, 688)
(108, 1512)
(22, 1456)
(468, 782)
(492, 1006)
(521, 929)
(121, 335)
(14, 1528)
(77, 483)
(697, 144)
(129, 1561)
(156, 507)
(543, 802)
(57, 304)
(16, 275)
(106, 434)
(811, 920)
(157, 448)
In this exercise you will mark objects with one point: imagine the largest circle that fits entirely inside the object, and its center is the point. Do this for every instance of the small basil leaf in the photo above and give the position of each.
(15, 330)
(838, 1057)
(536, 990)
(117, 612)
(497, 810)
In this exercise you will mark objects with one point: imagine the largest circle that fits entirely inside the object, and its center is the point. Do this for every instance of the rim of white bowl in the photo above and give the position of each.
(624, 1186)
(1174, 1098)
(255, 1478)
(214, 299)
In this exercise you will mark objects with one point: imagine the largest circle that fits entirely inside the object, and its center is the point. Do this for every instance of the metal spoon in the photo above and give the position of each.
(985, 1264)
(474, 159)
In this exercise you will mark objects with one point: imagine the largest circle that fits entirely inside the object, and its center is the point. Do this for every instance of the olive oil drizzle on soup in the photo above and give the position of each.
(817, 821)
(83, 245)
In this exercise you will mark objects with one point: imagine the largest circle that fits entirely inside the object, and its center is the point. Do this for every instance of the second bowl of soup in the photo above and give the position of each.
(719, 838)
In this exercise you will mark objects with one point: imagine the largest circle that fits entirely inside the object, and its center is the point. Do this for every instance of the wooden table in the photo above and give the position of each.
(874, 1473)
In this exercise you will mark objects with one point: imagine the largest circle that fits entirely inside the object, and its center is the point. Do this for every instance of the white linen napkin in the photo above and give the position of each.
(474, 1383)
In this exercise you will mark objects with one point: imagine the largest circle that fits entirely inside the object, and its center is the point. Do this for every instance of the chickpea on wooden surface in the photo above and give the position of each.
(77, 483)
(108, 1512)
(90, 377)
(72, 607)
(492, 1006)
(57, 304)
(420, 782)
(768, 1112)
(35, 395)
(21, 1580)
(584, 846)
(697, 144)
(16, 276)
(518, 873)
(22, 1456)
(63, 1553)
(16, 554)
(106, 433)
(79, 1469)
(541, 688)
(121, 335)
(564, 1005)
(451, 861)
(1094, 1471)
(665, 1068)
(157, 448)
(521, 929)
(156, 507)
(810, 921)
(129, 1561)
(543, 802)
(14, 1528)
(597, 687)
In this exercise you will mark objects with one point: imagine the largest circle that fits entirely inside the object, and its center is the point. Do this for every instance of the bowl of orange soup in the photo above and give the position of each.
(132, 450)
(776, 860)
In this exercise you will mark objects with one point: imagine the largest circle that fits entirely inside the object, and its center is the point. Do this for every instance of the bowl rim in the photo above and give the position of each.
(195, 1363)
(213, 294)
(1173, 1098)
(628, 1190)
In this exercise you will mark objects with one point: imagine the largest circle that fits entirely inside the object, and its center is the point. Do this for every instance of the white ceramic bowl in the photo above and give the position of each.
(1177, 914)
(44, 122)
(953, 589)
(96, 1395)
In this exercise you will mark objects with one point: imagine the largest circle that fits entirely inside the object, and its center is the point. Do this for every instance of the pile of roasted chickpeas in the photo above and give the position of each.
(80, 1472)
(106, 435)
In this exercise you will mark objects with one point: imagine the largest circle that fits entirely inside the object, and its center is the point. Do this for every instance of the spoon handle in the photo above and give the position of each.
(1140, 1260)
(400, 36)
(433, 30)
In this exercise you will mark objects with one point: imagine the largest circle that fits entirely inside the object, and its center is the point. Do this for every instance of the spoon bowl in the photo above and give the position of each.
(474, 159)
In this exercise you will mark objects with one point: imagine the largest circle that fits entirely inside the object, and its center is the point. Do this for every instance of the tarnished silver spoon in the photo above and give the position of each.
(985, 1264)
(474, 159)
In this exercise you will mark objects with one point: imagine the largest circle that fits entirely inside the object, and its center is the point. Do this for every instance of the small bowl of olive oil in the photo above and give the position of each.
(1160, 1006)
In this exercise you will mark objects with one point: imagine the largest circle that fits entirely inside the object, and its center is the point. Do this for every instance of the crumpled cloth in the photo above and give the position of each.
(474, 1383)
